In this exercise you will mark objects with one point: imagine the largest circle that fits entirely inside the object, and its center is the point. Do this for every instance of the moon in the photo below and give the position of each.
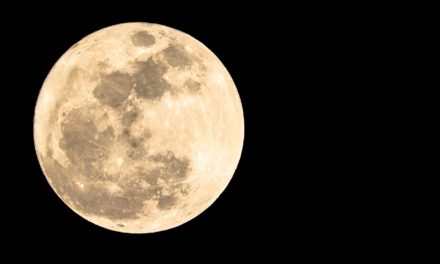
(138, 128)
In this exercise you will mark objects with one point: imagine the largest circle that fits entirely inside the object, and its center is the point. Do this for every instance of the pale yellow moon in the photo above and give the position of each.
(138, 128)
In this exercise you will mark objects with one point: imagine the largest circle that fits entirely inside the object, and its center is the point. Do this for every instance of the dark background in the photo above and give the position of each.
(254, 207)
(284, 196)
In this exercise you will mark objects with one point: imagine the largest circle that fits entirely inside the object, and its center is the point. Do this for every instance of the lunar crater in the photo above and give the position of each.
(113, 89)
(148, 81)
(177, 56)
(81, 141)
(143, 38)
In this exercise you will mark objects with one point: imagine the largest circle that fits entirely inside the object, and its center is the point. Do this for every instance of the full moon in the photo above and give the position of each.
(138, 128)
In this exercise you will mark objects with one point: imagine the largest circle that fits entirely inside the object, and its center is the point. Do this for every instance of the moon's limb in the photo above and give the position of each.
(138, 128)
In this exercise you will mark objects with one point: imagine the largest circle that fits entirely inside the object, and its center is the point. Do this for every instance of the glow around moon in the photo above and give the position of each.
(138, 128)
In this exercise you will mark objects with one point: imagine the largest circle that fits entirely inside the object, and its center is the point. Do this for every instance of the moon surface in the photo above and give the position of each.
(138, 128)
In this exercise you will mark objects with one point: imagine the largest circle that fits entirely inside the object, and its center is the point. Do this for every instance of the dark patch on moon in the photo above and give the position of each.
(136, 150)
(172, 168)
(93, 198)
(74, 74)
(83, 144)
(143, 39)
(125, 132)
(148, 81)
(192, 86)
(177, 56)
(134, 143)
(103, 65)
(151, 177)
(99, 201)
(166, 202)
(113, 89)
